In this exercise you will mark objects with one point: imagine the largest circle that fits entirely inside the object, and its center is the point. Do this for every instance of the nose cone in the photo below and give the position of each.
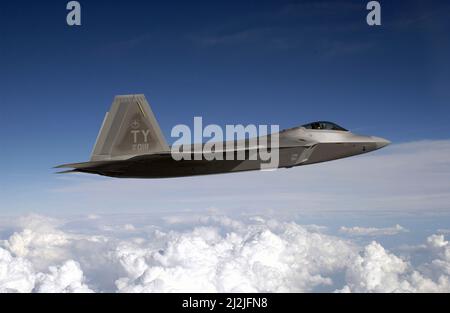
(380, 142)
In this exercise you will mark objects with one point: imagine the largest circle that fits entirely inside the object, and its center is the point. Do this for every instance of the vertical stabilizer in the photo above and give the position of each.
(129, 129)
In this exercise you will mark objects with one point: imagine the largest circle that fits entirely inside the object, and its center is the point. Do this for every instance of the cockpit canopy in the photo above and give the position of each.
(323, 125)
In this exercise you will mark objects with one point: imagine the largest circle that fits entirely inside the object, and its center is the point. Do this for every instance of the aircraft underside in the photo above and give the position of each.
(164, 166)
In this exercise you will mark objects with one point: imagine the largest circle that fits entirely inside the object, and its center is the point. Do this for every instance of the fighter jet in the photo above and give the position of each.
(130, 144)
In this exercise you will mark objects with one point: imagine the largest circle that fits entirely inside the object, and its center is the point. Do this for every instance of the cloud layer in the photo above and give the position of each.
(373, 231)
(18, 275)
(213, 253)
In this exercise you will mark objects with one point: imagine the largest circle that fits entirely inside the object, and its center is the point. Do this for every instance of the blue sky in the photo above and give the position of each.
(247, 62)
(284, 62)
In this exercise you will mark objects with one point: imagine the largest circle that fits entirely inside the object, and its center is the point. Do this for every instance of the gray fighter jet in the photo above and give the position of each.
(130, 144)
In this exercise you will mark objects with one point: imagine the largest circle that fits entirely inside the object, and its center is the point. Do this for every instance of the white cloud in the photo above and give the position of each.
(16, 274)
(64, 279)
(377, 270)
(49, 251)
(129, 227)
(255, 260)
(373, 231)
(213, 253)
(441, 249)
(92, 216)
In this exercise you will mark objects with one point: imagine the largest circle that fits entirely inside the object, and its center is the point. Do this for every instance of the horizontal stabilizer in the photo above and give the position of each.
(68, 171)
(79, 165)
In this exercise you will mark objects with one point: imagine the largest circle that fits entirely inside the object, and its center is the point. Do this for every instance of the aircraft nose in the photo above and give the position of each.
(380, 142)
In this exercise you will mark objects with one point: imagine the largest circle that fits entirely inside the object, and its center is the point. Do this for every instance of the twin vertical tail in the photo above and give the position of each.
(129, 129)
